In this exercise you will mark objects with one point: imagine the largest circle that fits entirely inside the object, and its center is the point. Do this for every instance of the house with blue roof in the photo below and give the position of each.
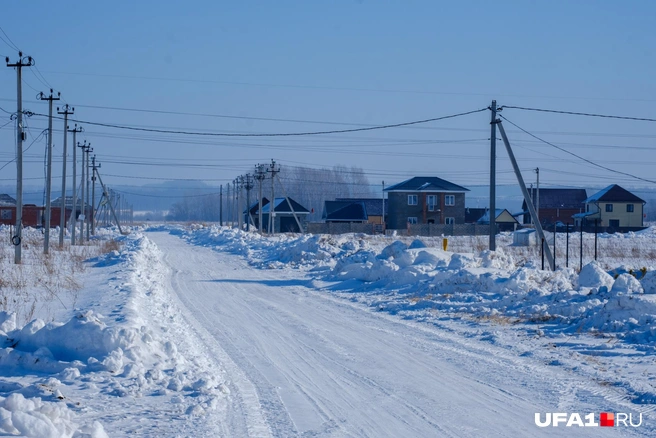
(425, 200)
(613, 207)
(286, 213)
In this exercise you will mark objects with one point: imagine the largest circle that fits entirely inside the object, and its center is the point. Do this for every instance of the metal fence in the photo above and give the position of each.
(342, 228)
(447, 230)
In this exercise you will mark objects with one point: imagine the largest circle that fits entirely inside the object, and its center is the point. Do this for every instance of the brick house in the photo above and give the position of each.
(555, 205)
(425, 200)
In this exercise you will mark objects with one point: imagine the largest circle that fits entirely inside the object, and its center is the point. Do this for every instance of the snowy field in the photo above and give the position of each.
(103, 339)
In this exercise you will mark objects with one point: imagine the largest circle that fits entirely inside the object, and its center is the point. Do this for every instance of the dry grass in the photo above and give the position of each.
(415, 300)
(44, 282)
(498, 319)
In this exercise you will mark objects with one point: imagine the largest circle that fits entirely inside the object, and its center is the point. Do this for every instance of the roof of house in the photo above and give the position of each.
(474, 214)
(69, 202)
(614, 193)
(485, 219)
(280, 205)
(426, 184)
(584, 214)
(345, 211)
(256, 205)
(557, 198)
(373, 206)
(6, 199)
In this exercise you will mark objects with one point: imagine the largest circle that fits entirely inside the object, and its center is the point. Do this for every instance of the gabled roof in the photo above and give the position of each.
(557, 198)
(474, 214)
(69, 202)
(613, 193)
(485, 219)
(373, 206)
(426, 184)
(280, 205)
(345, 211)
(256, 205)
(6, 199)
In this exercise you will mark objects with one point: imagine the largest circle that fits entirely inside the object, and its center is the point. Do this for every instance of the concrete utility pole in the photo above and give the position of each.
(93, 195)
(493, 176)
(234, 202)
(240, 217)
(106, 195)
(259, 176)
(527, 198)
(62, 213)
(248, 185)
(273, 169)
(229, 205)
(74, 213)
(88, 183)
(20, 137)
(84, 147)
(50, 99)
(537, 195)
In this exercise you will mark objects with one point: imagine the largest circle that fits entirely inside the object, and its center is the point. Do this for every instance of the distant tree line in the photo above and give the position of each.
(308, 186)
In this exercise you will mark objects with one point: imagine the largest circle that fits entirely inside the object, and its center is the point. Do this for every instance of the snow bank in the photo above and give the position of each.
(397, 276)
(136, 351)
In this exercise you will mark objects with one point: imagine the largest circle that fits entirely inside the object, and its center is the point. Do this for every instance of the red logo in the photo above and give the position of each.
(606, 419)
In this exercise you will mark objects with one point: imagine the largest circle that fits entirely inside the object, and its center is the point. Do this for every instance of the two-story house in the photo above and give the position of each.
(613, 207)
(425, 200)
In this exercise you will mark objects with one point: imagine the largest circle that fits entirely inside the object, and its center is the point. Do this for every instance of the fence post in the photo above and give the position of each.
(567, 245)
(595, 239)
(554, 254)
(542, 253)
(581, 248)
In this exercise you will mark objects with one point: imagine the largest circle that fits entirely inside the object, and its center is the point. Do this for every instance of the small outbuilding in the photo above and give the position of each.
(525, 237)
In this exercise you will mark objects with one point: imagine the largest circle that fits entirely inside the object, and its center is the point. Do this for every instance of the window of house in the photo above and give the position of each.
(431, 201)
(587, 208)
(449, 220)
(412, 220)
(5, 214)
(629, 208)
(609, 207)
(450, 200)
(412, 200)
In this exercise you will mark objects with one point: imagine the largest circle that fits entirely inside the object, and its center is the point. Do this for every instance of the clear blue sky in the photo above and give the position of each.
(355, 62)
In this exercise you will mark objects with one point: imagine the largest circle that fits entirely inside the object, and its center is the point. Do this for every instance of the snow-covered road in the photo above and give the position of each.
(303, 363)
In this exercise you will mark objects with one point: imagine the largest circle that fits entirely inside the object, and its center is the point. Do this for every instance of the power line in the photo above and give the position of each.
(605, 116)
(329, 88)
(288, 134)
(578, 156)
(572, 133)
(12, 45)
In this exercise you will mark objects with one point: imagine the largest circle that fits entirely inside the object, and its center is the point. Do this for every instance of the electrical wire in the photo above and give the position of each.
(287, 134)
(12, 45)
(573, 113)
(26, 149)
(578, 156)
